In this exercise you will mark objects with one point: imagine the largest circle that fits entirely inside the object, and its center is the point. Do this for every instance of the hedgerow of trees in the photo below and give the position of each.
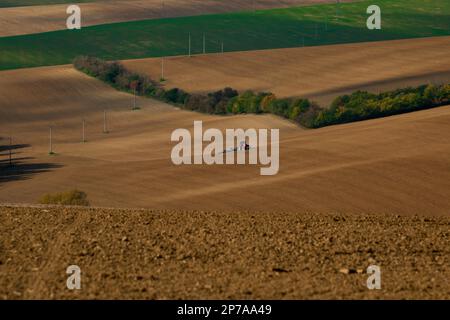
(360, 105)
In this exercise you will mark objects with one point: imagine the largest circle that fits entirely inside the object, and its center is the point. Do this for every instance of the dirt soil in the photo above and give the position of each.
(36, 19)
(346, 197)
(320, 73)
(394, 165)
(135, 254)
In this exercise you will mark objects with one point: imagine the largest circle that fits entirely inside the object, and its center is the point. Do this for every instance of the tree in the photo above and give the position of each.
(431, 94)
(266, 103)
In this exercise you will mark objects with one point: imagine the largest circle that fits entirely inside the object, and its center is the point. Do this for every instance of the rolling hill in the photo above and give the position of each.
(43, 17)
(319, 73)
(346, 196)
(241, 31)
(396, 164)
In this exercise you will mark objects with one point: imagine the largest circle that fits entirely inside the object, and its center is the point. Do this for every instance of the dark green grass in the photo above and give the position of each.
(20, 3)
(266, 29)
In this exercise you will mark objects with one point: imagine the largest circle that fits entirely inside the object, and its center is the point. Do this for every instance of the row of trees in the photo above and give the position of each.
(115, 74)
(362, 105)
(358, 106)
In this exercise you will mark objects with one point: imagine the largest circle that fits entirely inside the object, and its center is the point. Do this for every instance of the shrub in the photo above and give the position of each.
(222, 96)
(431, 94)
(444, 94)
(280, 107)
(175, 95)
(69, 198)
(266, 102)
(259, 100)
(308, 117)
(148, 87)
(110, 72)
(339, 101)
(122, 81)
(248, 102)
(221, 107)
(198, 102)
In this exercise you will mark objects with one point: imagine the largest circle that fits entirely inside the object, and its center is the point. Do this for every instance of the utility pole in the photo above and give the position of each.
(222, 47)
(204, 43)
(83, 134)
(105, 129)
(189, 44)
(50, 144)
(10, 151)
(162, 68)
(337, 9)
(134, 100)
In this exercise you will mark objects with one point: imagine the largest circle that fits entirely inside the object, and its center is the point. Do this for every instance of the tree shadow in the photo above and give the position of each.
(6, 148)
(20, 168)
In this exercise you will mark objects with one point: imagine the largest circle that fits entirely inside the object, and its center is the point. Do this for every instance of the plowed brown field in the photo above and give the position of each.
(320, 73)
(394, 165)
(346, 197)
(133, 254)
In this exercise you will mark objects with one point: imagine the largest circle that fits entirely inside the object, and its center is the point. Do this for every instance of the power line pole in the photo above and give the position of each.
(162, 68)
(10, 151)
(337, 9)
(222, 47)
(84, 135)
(50, 143)
(189, 44)
(204, 43)
(105, 129)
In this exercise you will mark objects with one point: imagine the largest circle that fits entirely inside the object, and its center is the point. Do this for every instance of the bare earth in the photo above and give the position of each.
(320, 73)
(392, 165)
(36, 19)
(134, 254)
(346, 197)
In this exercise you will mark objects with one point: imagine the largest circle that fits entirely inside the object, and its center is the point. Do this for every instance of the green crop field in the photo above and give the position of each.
(265, 29)
(20, 3)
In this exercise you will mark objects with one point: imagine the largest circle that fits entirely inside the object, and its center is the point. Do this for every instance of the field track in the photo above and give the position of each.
(36, 19)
